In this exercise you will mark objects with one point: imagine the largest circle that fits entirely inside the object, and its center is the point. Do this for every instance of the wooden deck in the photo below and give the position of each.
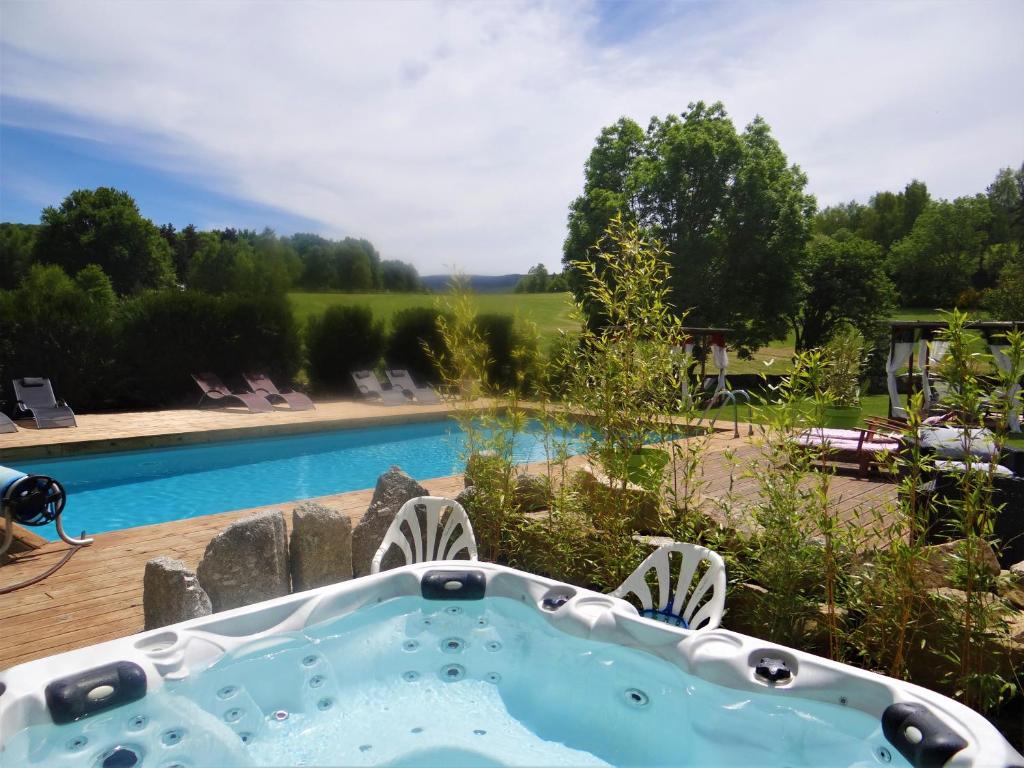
(97, 596)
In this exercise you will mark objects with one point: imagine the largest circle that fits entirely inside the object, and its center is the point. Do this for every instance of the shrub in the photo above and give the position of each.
(339, 341)
(411, 329)
(512, 353)
(166, 336)
(63, 329)
(1006, 300)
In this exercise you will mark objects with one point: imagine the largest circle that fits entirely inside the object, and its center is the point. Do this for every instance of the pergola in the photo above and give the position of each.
(916, 342)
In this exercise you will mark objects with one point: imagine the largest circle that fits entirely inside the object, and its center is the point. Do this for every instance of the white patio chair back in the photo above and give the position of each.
(416, 527)
(698, 605)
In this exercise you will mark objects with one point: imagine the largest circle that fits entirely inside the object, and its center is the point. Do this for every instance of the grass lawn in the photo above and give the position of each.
(871, 405)
(775, 358)
(550, 311)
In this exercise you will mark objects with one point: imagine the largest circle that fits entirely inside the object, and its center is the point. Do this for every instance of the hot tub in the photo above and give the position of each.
(459, 664)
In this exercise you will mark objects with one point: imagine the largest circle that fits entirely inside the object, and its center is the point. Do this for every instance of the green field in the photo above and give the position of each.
(550, 311)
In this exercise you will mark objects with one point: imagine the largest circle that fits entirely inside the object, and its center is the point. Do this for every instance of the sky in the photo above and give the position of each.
(453, 135)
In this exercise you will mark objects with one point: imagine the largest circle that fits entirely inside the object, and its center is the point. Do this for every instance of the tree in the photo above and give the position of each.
(731, 211)
(843, 216)
(339, 341)
(888, 217)
(186, 245)
(1006, 300)
(222, 266)
(1006, 200)
(844, 282)
(398, 276)
(17, 242)
(103, 226)
(535, 281)
(65, 327)
(932, 266)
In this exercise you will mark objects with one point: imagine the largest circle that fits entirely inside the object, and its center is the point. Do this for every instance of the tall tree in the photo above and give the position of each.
(17, 243)
(1006, 200)
(536, 280)
(932, 266)
(731, 210)
(844, 282)
(103, 226)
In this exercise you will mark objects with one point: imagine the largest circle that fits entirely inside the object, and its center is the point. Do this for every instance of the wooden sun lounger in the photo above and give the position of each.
(857, 446)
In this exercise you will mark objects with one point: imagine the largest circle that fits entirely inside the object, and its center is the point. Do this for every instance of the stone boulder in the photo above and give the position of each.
(394, 488)
(938, 567)
(170, 593)
(645, 508)
(247, 562)
(1010, 587)
(532, 492)
(467, 497)
(320, 551)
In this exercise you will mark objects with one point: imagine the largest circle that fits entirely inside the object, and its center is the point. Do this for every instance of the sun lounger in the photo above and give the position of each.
(400, 379)
(35, 397)
(262, 385)
(215, 389)
(370, 388)
(859, 446)
(6, 425)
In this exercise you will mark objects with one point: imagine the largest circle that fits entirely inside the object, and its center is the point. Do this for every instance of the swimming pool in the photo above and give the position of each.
(110, 491)
(459, 664)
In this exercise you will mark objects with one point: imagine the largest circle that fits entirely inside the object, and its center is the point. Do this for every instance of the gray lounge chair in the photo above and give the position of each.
(6, 425)
(262, 385)
(215, 389)
(35, 397)
(400, 378)
(370, 388)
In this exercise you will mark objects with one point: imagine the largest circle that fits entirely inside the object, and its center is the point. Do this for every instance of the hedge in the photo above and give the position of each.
(339, 341)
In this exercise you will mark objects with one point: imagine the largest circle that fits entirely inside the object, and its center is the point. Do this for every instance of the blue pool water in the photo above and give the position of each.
(409, 682)
(110, 491)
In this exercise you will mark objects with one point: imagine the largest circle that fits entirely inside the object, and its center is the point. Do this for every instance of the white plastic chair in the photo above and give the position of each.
(700, 610)
(456, 536)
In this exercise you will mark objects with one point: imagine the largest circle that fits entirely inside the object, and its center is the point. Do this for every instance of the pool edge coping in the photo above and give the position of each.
(75, 448)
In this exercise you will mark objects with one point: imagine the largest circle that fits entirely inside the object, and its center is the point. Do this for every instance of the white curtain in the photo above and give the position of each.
(931, 351)
(721, 358)
(901, 351)
(687, 352)
(1003, 363)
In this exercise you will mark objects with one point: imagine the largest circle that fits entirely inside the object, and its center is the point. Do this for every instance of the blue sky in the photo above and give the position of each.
(454, 134)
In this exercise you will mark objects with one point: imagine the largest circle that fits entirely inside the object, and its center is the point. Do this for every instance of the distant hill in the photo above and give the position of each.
(479, 283)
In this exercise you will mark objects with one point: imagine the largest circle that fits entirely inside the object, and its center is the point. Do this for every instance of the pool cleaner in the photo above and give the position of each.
(32, 500)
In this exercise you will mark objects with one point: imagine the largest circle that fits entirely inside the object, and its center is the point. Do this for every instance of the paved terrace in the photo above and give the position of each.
(97, 596)
(132, 431)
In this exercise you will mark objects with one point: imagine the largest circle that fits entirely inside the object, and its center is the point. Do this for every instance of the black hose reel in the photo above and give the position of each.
(32, 500)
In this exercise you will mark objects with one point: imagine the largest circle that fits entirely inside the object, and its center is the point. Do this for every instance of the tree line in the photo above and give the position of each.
(750, 250)
(539, 280)
(104, 227)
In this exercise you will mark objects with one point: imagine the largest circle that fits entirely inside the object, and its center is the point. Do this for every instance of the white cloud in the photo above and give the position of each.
(455, 134)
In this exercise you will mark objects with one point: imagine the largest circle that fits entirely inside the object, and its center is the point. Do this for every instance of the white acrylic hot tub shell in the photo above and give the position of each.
(719, 656)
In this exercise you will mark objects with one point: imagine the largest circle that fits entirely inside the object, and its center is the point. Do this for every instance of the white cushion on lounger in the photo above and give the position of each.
(978, 466)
